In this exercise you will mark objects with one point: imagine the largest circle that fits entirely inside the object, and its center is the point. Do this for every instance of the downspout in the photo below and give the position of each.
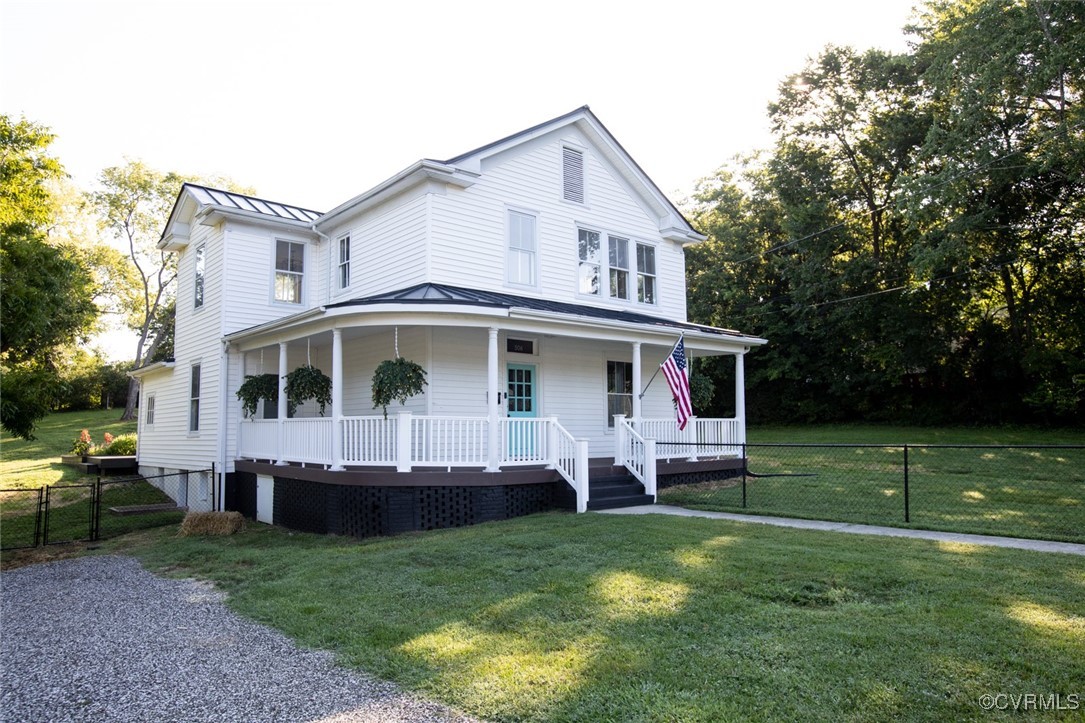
(224, 390)
(328, 277)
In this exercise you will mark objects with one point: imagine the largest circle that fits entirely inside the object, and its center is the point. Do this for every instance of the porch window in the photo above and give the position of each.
(198, 286)
(619, 390)
(646, 274)
(619, 267)
(289, 269)
(590, 262)
(194, 400)
(521, 249)
(344, 262)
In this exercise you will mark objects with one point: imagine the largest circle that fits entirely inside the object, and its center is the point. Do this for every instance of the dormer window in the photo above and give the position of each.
(289, 270)
(572, 174)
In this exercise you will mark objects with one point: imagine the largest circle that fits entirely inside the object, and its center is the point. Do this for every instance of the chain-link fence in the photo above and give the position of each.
(1017, 491)
(106, 507)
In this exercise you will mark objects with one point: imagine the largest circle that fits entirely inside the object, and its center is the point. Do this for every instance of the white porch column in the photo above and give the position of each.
(636, 383)
(337, 400)
(740, 398)
(493, 407)
(279, 459)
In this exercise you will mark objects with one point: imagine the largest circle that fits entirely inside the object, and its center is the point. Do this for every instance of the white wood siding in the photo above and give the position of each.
(468, 232)
(250, 263)
(388, 249)
(198, 332)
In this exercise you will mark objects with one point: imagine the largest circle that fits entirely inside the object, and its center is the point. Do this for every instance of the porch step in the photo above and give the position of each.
(609, 491)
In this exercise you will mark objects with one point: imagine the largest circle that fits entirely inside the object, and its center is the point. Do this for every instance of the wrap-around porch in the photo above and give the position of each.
(510, 389)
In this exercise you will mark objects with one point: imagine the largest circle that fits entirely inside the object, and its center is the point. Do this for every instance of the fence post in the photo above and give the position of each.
(745, 464)
(907, 511)
(45, 519)
(95, 507)
(38, 531)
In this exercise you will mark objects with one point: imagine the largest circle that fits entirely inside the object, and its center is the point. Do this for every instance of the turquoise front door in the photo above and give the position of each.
(521, 404)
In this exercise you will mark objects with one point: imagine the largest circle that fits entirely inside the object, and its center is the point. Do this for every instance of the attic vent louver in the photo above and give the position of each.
(572, 166)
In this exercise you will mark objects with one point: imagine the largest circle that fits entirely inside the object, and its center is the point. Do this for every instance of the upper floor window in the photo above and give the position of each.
(522, 248)
(572, 174)
(289, 270)
(646, 274)
(588, 271)
(619, 267)
(194, 400)
(344, 262)
(198, 286)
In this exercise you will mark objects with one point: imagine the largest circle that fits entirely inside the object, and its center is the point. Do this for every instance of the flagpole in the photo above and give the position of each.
(660, 366)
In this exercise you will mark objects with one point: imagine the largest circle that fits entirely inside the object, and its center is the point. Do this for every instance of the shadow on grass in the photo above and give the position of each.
(594, 617)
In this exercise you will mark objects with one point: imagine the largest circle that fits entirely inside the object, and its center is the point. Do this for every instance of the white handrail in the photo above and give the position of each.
(369, 441)
(449, 441)
(702, 438)
(637, 454)
(570, 458)
(524, 441)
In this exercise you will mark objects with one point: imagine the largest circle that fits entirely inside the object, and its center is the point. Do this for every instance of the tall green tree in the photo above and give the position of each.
(48, 292)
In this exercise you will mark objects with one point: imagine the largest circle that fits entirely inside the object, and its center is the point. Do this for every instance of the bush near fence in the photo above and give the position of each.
(81, 512)
(1017, 491)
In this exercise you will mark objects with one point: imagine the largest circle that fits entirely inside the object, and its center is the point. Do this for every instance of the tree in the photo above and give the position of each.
(133, 204)
(48, 292)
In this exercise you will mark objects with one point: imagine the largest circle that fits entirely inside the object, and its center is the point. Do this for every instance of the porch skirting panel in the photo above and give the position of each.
(305, 502)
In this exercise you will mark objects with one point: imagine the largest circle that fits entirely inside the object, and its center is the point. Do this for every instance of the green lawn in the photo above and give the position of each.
(37, 463)
(612, 618)
(25, 467)
(1016, 492)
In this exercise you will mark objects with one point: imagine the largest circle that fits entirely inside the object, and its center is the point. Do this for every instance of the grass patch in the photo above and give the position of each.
(1038, 493)
(37, 463)
(610, 618)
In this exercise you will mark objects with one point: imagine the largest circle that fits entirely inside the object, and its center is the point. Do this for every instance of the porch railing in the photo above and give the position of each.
(636, 452)
(405, 441)
(700, 438)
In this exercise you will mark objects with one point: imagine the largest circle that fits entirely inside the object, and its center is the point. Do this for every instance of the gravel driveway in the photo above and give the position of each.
(101, 639)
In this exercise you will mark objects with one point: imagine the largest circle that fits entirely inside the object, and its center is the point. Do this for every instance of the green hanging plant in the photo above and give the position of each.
(257, 387)
(396, 379)
(305, 383)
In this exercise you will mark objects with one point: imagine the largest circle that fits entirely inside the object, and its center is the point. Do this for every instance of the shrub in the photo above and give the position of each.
(124, 444)
(201, 524)
(82, 443)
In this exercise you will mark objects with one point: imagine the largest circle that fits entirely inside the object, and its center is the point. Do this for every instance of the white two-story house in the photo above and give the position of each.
(540, 282)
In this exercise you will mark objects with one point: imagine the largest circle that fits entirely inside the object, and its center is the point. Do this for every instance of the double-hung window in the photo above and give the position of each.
(198, 285)
(344, 262)
(149, 419)
(522, 249)
(619, 390)
(590, 262)
(646, 274)
(194, 400)
(289, 271)
(619, 267)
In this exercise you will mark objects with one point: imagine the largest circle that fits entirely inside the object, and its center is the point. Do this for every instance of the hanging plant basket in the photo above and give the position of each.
(257, 387)
(305, 383)
(396, 379)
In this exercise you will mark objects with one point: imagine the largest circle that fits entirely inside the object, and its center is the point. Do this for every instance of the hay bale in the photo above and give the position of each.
(203, 524)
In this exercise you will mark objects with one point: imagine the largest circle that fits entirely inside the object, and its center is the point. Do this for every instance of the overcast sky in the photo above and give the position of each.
(314, 102)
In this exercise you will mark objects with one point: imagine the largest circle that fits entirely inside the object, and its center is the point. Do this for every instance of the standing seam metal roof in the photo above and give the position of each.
(229, 199)
(428, 293)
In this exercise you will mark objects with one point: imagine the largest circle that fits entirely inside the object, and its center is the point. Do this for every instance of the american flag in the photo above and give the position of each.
(678, 380)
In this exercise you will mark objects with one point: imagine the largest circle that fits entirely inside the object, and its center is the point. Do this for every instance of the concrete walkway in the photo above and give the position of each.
(1068, 548)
